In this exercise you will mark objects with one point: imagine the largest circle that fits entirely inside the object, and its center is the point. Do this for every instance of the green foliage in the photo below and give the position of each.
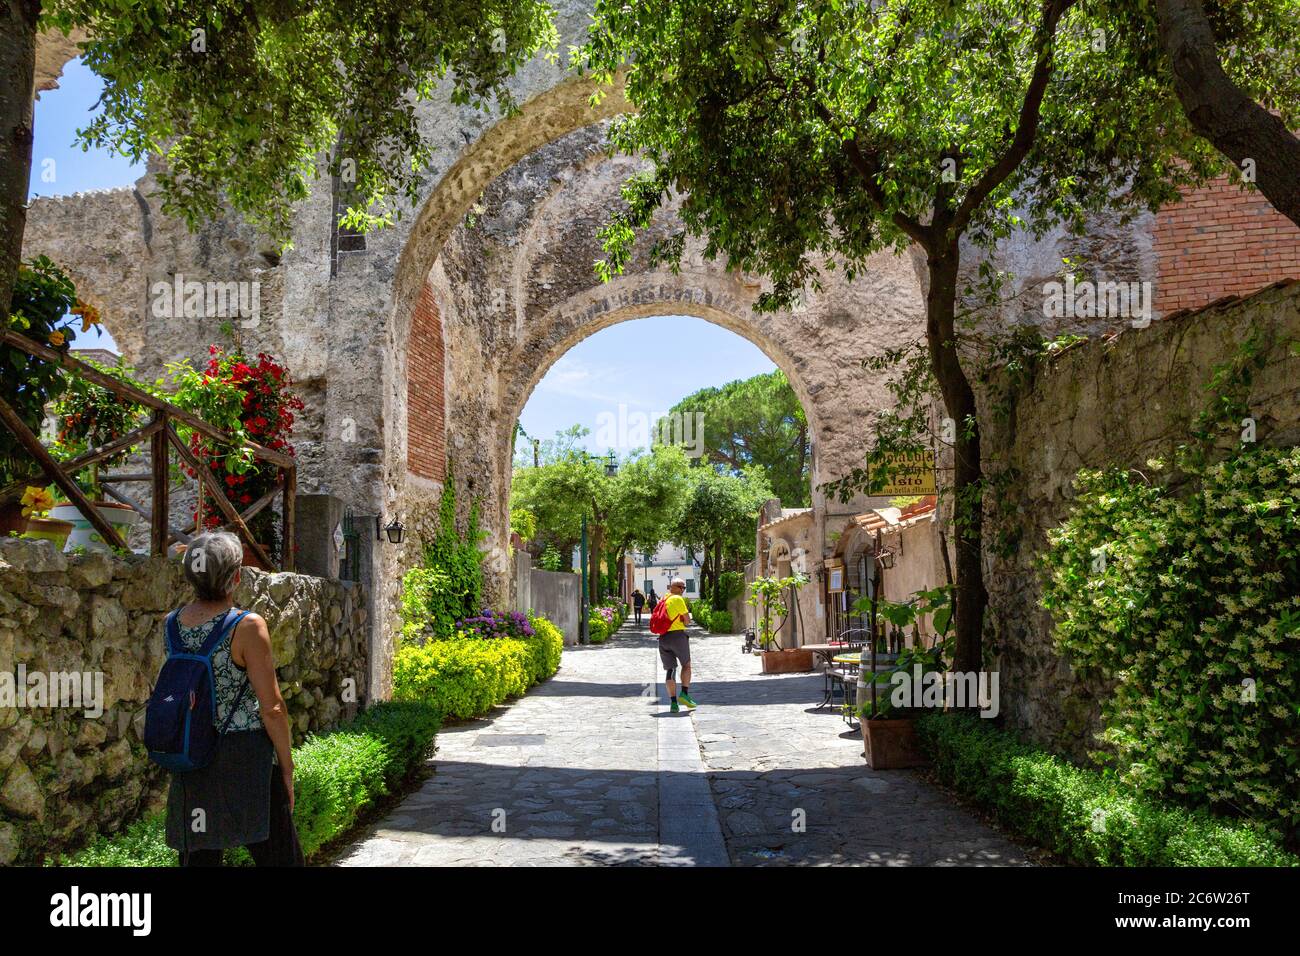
(1185, 596)
(550, 559)
(768, 595)
(523, 523)
(756, 423)
(336, 776)
(42, 298)
(90, 415)
(200, 98)
(448, 585)
(700, 612)
(1081, 815)
(731, 584)
(463, 677)
(720, 622)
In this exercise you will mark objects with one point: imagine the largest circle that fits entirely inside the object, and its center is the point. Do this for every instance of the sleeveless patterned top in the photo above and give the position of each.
(227, 675)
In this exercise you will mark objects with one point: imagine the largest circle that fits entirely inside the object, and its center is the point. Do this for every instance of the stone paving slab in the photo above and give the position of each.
(590, 769)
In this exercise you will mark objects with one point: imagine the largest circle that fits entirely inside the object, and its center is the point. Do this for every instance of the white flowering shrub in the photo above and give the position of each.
(1187, 596)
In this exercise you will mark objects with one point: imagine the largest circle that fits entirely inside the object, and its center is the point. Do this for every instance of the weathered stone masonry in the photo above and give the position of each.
(1099, 403)
(64, 776)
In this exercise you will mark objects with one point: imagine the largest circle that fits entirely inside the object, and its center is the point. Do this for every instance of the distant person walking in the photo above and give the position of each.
(674, 645)
(638, 602)
(652, 599)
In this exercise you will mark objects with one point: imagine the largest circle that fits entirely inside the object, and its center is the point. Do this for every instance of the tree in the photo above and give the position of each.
(634, 508)
(809, 136)
(718, 517)
(757, 422)
(533, 452)
(1234, 114)
(649, 494)
(240, 97)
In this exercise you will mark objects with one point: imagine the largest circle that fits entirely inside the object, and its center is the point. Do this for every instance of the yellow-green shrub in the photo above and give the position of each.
(464, 677)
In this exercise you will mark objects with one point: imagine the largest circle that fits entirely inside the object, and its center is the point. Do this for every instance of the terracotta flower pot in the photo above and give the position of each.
(794, 661)
(892, 744)
(49, 529)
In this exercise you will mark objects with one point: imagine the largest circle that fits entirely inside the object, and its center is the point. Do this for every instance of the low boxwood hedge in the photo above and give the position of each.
(463, 677)
(1079, 814)
(336, 776)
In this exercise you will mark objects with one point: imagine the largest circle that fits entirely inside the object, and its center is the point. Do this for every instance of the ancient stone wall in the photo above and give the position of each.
(1099, 403)
(64, 775)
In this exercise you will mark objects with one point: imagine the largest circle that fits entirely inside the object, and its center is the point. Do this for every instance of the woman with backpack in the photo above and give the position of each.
(232, 774)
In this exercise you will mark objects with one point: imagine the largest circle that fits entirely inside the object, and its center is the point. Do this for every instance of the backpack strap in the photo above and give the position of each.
(215, 639)
(172, 633)
(219, 633)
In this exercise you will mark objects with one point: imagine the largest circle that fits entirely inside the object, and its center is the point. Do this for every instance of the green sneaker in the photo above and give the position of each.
(685, 698)
(672, 707)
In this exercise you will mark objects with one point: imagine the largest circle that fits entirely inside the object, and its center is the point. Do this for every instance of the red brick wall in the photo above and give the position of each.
(1221, 240)
(426, 427)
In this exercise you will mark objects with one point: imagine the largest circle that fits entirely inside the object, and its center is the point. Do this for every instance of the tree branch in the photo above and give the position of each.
(1218, 110)
(1026, 125)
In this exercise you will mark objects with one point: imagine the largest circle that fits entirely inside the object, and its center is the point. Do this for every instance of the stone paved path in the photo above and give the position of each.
(589, 768)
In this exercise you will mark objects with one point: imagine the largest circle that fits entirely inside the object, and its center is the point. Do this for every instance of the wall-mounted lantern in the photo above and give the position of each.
(395, 531)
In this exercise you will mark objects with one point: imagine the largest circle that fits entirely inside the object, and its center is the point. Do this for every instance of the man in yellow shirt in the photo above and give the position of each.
(675, 646)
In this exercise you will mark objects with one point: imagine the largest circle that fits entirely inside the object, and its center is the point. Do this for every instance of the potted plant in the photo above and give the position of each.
(43, 308)
(768, 595)
(37, 503)
(251, 399)
(888, 722)
(91, 415)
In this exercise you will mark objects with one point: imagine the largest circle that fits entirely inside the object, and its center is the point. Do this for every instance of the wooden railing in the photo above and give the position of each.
(161, 433)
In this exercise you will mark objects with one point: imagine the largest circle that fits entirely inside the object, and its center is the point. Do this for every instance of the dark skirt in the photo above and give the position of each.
(233, 793)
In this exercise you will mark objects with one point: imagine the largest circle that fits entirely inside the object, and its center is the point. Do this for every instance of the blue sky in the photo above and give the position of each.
(59, 114)
(646, 365)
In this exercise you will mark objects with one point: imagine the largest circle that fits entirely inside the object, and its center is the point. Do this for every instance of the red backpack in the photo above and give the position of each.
(659, 619)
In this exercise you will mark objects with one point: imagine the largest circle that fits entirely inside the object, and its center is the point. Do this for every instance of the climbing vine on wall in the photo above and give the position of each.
(1182, 586)
(448, 585)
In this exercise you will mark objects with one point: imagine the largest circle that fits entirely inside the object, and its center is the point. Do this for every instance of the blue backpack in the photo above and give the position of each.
(180, 719)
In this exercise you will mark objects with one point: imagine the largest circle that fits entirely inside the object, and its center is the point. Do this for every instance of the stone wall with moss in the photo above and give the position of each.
(65, 776)
(1120, 401)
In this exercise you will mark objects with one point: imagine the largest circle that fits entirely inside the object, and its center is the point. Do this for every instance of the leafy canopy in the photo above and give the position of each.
(241, 98)
(757, 422)
(823, 131)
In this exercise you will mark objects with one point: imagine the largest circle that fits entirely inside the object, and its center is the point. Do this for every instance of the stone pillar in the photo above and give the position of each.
(318, 519)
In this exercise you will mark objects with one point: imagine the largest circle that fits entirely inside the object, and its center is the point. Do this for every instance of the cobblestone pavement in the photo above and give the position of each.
(589, 768)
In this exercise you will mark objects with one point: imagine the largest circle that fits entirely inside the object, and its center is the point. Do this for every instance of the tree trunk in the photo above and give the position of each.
(594, 553)
(959, 401)
(17, 90)
(1234, 123)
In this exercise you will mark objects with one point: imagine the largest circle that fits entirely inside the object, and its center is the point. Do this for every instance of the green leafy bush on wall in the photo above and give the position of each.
(720, 622)
(336, 776)
(1080, 814)
(448, 585)
(1190, 604)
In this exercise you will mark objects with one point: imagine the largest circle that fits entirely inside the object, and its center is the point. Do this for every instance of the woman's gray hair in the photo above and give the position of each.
(211, 563)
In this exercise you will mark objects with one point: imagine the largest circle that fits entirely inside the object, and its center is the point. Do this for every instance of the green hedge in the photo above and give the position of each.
(1077, 813)
(336, 776)
(720, 622)
(464, 677)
